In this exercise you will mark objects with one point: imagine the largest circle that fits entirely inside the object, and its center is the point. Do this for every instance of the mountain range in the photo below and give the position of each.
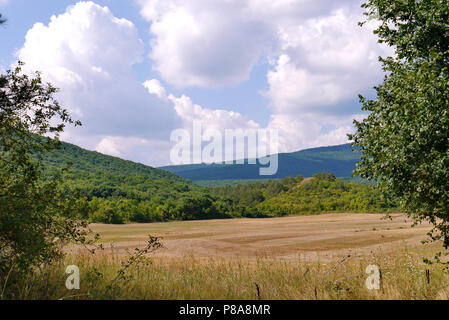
(339, 160)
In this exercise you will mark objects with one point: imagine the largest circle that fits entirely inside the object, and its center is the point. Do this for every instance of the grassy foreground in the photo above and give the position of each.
(403, 274)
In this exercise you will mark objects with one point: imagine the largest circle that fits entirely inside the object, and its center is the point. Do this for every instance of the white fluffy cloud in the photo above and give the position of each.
(213, 43)
(213, 123)
(138, 149)
(109, 146)
(154, 86)
(86, 40)
(205, 43)
(212, 119)
(306, 131)
(324, 61)
(320, 57)
(89, 54)
(189, 112)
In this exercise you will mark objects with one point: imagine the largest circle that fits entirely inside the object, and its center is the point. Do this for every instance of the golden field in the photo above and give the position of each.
(303, 257)
(318, 237)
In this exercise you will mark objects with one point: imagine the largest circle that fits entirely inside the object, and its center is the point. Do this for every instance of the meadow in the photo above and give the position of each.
(301, 257)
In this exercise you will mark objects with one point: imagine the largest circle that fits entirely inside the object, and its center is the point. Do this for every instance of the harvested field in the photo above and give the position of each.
(318, 237)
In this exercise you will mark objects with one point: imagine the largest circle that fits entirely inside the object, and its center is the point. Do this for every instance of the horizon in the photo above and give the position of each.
(180, 165)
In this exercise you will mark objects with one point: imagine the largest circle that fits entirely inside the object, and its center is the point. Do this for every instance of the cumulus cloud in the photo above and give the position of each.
(138, 149)
(189, 112)
(212, 119)
(320, 58)
(211, 122)
(154, 86)
(307, 131)
(89, 54)
(86, 39)
(205, 43)
(108, 146)
(214, 43)
(324, 61)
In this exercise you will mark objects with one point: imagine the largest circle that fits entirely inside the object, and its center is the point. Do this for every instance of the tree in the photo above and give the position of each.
(35, 217)
(405, 138)
(325, 176)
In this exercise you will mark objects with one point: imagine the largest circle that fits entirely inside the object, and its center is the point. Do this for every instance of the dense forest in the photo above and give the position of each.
(79, 159)
(319, 194)
(111, 190)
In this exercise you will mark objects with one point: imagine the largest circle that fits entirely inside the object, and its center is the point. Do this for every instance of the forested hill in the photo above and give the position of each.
(107, 189)
(339, 160)
(95, 162)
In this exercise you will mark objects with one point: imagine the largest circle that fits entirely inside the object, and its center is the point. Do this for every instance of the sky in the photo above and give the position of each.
(135, 71)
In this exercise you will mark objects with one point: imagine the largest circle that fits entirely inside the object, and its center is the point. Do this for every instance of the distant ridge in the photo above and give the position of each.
(340, 160)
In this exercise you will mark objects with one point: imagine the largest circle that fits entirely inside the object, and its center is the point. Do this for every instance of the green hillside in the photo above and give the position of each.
(339, 160)
(112, 190)
(87, 161)
(107, 189)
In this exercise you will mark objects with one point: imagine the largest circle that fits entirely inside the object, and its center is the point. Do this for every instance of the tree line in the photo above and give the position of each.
(107, 198)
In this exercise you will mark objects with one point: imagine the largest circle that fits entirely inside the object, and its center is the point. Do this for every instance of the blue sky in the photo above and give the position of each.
(296, 66)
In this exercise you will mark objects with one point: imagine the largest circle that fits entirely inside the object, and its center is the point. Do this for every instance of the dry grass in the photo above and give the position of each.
(404, 277)
(288, 258)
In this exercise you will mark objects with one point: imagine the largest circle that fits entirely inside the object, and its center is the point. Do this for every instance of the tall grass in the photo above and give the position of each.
(403, 277)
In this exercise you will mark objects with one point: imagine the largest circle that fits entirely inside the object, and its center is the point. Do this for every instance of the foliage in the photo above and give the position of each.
(323, 193)
(105, 195)
(229, 182)
(326, 176)
(96, 163)
(405, 138)
(35, 218)
(106, 189)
